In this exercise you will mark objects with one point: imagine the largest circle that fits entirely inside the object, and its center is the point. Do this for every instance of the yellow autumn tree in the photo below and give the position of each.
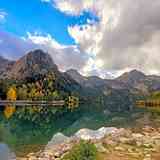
(12, 96)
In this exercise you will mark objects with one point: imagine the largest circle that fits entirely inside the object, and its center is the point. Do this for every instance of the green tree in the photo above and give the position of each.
(82, 151)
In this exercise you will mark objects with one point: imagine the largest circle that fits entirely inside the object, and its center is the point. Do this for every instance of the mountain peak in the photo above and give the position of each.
(136, 72)
(132, 77)
(33, 63)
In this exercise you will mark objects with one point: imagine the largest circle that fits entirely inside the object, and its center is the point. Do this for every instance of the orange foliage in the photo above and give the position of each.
(9, 110)
(11, 94)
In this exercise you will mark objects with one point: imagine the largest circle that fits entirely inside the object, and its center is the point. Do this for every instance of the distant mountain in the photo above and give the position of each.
(139, 81)
(91, 82)
(5, 66)
(77, 76)
(114, 91)
(134, 81)
(132, 77)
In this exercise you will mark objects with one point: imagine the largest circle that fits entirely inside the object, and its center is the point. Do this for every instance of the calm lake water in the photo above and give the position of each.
(24, 136)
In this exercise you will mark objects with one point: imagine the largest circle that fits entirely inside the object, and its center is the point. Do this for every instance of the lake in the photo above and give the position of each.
(22, 134)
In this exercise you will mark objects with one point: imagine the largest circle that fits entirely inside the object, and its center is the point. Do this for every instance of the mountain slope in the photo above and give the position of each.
(5, 65)
(132, 77)
(116, 93)
(76, 76)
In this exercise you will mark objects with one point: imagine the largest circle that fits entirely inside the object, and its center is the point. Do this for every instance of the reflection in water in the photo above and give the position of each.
(30, 128)
(5, 153)
(9, 111)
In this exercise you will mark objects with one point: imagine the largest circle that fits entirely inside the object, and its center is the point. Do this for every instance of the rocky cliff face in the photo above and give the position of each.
(34, 63)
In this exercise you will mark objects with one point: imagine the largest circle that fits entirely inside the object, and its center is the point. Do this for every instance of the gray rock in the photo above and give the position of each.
(88, 134)
(57, 139)
(100, 148)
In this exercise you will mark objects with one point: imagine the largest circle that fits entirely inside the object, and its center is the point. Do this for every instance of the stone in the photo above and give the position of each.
(119, 148)
(100, 148)
(57, 139)
(137, 135)
(124, 140)
(88, 134)
(110, 142)
(106, 112)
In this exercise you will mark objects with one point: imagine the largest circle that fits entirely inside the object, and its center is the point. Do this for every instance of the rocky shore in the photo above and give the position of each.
(112, 144)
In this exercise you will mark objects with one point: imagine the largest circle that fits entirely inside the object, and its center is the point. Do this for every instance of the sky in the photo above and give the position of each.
(95, 37)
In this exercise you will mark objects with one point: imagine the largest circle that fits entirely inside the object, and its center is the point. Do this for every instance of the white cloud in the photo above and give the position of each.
(2, 16)
(73, 7)
(126, 37)
(46, 1)
(66, 57)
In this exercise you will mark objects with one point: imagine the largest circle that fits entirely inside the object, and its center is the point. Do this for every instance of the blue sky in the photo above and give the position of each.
(36, 16)
(96, 37)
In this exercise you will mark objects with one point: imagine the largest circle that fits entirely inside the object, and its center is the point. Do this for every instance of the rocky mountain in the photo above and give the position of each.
(34, 63)
(38, 62)
(77, 76)
(91, 82)
(134, 81)
(113, 91)
(5, 65)
(132, 77)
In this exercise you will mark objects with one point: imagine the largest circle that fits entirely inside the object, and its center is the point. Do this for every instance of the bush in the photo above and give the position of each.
(82, 151)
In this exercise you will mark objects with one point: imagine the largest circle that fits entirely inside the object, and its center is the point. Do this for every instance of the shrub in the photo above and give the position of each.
(82, 151)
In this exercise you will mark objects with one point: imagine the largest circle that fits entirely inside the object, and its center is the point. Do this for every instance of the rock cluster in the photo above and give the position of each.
(110, 142)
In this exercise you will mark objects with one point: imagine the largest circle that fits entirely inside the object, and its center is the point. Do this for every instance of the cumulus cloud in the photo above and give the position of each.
(126, 36)
(73, 7)
(2, 16)
(66, 57)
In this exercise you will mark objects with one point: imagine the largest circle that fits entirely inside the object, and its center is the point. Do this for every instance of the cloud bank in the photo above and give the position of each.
(66, 57)
(126, 37)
